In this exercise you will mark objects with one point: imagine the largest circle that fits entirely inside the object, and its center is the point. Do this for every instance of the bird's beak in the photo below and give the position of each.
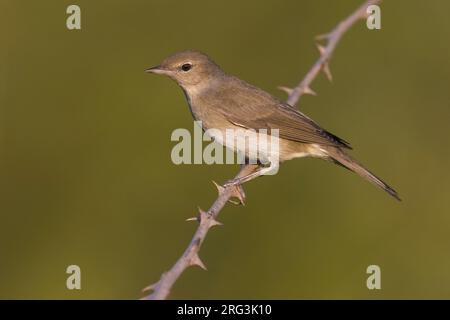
(157, 70)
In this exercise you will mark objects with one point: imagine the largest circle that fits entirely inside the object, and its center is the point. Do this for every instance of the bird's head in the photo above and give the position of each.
(188, 68)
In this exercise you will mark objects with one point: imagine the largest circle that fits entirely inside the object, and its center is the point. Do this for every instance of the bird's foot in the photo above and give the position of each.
(237, 191)
(232, 182)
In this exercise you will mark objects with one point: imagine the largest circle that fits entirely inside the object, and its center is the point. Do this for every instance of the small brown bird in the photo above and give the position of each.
(222, 102)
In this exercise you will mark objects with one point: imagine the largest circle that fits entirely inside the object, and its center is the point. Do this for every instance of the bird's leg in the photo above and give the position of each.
(250, 176)
(241, 180)
(247, 169)
(238, 191)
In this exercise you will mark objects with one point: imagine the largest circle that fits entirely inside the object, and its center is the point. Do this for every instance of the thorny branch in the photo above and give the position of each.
(190, 257)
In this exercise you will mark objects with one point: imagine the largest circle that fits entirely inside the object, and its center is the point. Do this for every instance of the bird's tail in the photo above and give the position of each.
(340, 157)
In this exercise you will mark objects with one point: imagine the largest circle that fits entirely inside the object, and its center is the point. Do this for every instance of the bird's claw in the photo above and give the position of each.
(237, 191)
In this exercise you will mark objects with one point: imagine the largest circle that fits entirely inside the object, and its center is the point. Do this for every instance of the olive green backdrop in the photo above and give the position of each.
(86, 176)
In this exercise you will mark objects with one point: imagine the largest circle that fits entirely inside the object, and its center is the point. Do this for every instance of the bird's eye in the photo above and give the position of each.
(186, 67)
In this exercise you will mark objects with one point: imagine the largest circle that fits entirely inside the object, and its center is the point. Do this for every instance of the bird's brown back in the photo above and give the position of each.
(247, 106)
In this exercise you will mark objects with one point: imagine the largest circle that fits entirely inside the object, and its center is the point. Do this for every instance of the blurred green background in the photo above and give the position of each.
(86, 176)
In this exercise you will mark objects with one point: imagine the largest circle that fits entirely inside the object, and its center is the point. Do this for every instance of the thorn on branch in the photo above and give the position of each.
(203, 215)
(326, 70)
(325, 65)
(321, 49)
(220, 189)
(308, 90)
(324, 36)
(285, 89)
(154, 286)
(150, 287)
(215, 223)
(195, 261)
(206, 217)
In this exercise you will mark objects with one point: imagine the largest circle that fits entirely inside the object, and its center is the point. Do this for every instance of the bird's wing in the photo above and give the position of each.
(252, 108)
